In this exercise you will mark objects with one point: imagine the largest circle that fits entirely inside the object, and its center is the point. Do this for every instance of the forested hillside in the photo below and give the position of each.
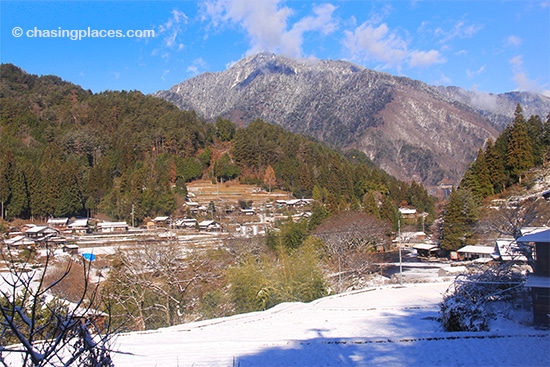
(504, 170)
(65, 151)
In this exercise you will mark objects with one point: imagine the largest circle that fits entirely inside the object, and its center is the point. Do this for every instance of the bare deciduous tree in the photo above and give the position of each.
(148, 283)
(35, 331)
(508, 218)
(349, 237)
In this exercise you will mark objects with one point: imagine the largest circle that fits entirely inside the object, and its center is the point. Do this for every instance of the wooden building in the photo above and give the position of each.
(539, 282)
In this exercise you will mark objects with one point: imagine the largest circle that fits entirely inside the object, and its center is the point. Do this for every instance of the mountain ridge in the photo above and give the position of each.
(412, 130)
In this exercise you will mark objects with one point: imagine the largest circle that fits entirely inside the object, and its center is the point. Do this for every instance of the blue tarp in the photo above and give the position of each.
(88, 256)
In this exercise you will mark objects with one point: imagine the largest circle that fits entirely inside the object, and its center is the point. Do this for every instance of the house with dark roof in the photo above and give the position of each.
(539, 281)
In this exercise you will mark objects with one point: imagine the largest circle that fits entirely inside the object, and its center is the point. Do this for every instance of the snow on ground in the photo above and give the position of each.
(389, 326)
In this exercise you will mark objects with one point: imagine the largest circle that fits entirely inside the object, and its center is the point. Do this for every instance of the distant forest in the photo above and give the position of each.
(65, 151)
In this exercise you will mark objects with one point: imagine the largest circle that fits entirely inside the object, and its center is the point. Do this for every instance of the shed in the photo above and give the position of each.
(472, 252)
(113, 227)
(426, 249)
(70, 248)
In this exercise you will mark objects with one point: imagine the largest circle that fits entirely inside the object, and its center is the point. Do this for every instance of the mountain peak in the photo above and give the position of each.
(410, 129)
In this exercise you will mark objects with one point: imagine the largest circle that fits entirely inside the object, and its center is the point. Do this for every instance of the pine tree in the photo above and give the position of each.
(494, 161)
(546, 137)
(477, 178)
(535, 130)
(371, 205)
(458, 220)
(389, 212)
(519, 153)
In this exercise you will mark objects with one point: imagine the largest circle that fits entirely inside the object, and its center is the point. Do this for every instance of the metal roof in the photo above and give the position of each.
(543, 236)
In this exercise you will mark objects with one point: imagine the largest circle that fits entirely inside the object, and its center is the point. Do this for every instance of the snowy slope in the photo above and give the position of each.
(389, 326)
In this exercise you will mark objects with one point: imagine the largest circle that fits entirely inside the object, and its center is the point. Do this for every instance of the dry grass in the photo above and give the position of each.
(231, 192)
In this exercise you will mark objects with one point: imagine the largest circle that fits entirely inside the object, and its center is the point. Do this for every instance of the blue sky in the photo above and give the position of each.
(486, 45)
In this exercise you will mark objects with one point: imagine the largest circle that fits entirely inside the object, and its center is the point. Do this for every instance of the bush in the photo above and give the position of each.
(474, 299)
(261, 283)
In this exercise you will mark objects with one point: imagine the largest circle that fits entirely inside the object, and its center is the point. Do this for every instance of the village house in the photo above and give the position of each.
(108, 227)
(182, 223)
(33, 235)
(294, 203)
(162, 221)
(539, 282)
(19, 241)
(473, 252)
(79, 226)
(210, 226)
(39, 233)
(58, 223)
(248, 211)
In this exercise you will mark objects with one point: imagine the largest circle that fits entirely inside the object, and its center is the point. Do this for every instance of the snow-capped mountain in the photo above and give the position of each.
(410, 129)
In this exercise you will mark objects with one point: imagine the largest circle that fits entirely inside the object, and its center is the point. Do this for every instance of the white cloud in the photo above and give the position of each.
(266, 23)
(172, 29)
(460, 29)
(521, 79)
(512, 41)
(472, 74)
(376, 43)
(425, 58)
(380, 44)
(322, 22)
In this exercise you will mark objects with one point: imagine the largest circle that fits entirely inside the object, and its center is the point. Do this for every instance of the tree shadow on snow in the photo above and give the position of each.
(406, 347)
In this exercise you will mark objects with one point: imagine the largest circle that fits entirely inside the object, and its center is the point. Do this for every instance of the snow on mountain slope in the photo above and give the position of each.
(390, 326)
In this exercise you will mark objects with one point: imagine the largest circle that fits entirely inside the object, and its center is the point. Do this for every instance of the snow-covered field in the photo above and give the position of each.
(381, 326)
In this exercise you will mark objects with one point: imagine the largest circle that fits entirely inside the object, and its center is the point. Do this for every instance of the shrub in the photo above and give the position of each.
(474, 299)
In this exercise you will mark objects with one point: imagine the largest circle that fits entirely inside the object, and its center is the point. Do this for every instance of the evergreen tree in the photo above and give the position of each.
(494, 161)
(224, 168)
(458, 220)
(225, 129)
(371, 205)
(535, 130)
(389, 212)
(477, 179)
(519, 153)
(18, 205)
(546, 135)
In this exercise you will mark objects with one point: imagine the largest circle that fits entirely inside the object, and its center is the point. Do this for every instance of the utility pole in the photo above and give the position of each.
(132, 215)
(400, 258)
